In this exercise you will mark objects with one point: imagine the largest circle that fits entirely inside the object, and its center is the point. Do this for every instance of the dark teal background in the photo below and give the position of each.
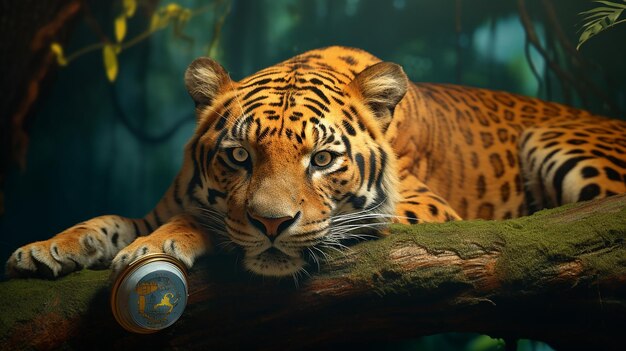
(85, 160)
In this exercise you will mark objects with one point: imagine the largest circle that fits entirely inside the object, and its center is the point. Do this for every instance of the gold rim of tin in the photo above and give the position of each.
(130, 269)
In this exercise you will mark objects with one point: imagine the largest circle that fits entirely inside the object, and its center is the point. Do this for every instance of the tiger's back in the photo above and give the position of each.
(496, 155)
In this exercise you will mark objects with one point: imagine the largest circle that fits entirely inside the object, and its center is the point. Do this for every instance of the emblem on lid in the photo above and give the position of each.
(150, 294)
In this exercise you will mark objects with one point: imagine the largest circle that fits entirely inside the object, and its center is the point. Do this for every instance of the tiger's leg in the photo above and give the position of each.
(93, 243)
(88, 244)
(564, 165)
(180, 237)
(418, 204)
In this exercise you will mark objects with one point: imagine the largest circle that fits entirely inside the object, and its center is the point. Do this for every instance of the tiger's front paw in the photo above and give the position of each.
(67, 252)
(184, 250)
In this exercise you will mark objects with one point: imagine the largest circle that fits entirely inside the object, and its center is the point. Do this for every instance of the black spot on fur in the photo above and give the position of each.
(358, 202)
(503, 135)
(551, 144)
(411, 217)
(485, 211)
(612, 174)
(589, 192)
(550, 135)
(433, 210)
(589, 172)
(510, 158)
(487, 139)
(481, 186)
(114, 238)
(505, 192)
(497, 164)
(604, 147)
(576, 142)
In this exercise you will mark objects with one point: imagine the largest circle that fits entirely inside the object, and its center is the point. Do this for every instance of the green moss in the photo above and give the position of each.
(24, 299)
(529, 247)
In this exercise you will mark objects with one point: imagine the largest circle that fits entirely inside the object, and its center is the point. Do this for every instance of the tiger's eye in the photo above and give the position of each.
(239, 154)
(322, 159)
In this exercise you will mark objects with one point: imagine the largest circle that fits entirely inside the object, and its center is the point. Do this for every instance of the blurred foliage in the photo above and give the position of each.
(600, 18)
(171, 14)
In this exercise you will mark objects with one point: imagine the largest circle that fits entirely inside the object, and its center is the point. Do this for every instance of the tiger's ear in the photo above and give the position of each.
(381, 86)
(205, 79)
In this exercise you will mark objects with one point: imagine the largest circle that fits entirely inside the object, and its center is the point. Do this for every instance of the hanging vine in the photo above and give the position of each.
(580, 82)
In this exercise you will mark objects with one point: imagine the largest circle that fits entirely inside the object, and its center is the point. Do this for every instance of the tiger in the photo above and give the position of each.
(332, 146)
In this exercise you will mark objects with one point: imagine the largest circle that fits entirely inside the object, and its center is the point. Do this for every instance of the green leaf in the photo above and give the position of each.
(57, 49)
(109, 57)
(597, 15)
(120, 28)
(600, 18)
(613, 17)
(612, 4)
(484, 343)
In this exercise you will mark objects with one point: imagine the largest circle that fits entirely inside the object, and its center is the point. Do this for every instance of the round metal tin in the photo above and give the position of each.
(150, 294)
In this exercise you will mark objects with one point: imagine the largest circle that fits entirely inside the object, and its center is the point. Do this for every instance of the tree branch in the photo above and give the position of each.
(557, 276)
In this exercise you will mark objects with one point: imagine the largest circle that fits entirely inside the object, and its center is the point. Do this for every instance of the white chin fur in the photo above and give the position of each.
(274, 264)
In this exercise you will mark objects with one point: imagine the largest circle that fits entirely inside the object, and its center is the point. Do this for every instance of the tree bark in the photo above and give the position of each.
(558, 276)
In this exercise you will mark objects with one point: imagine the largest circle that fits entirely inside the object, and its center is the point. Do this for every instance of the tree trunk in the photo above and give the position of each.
(558, 276)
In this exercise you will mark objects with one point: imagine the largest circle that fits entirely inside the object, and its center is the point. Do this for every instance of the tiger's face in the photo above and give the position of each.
(288, 162)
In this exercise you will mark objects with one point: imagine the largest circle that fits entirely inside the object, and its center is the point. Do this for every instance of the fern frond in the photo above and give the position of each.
(599, 19)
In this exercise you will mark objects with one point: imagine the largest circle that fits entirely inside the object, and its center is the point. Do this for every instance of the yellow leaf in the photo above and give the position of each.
(110, 62)
(157, 22)
(120, 28)
(129, 7)
(172, 9)
(154, 21)
(57, 49)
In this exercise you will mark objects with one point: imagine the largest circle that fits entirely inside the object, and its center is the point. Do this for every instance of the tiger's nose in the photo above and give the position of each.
(271, 226)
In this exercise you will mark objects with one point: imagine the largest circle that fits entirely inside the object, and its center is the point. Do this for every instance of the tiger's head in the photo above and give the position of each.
(292, 160)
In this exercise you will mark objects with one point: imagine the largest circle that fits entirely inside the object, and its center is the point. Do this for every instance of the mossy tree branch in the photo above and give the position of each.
(557, 276)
